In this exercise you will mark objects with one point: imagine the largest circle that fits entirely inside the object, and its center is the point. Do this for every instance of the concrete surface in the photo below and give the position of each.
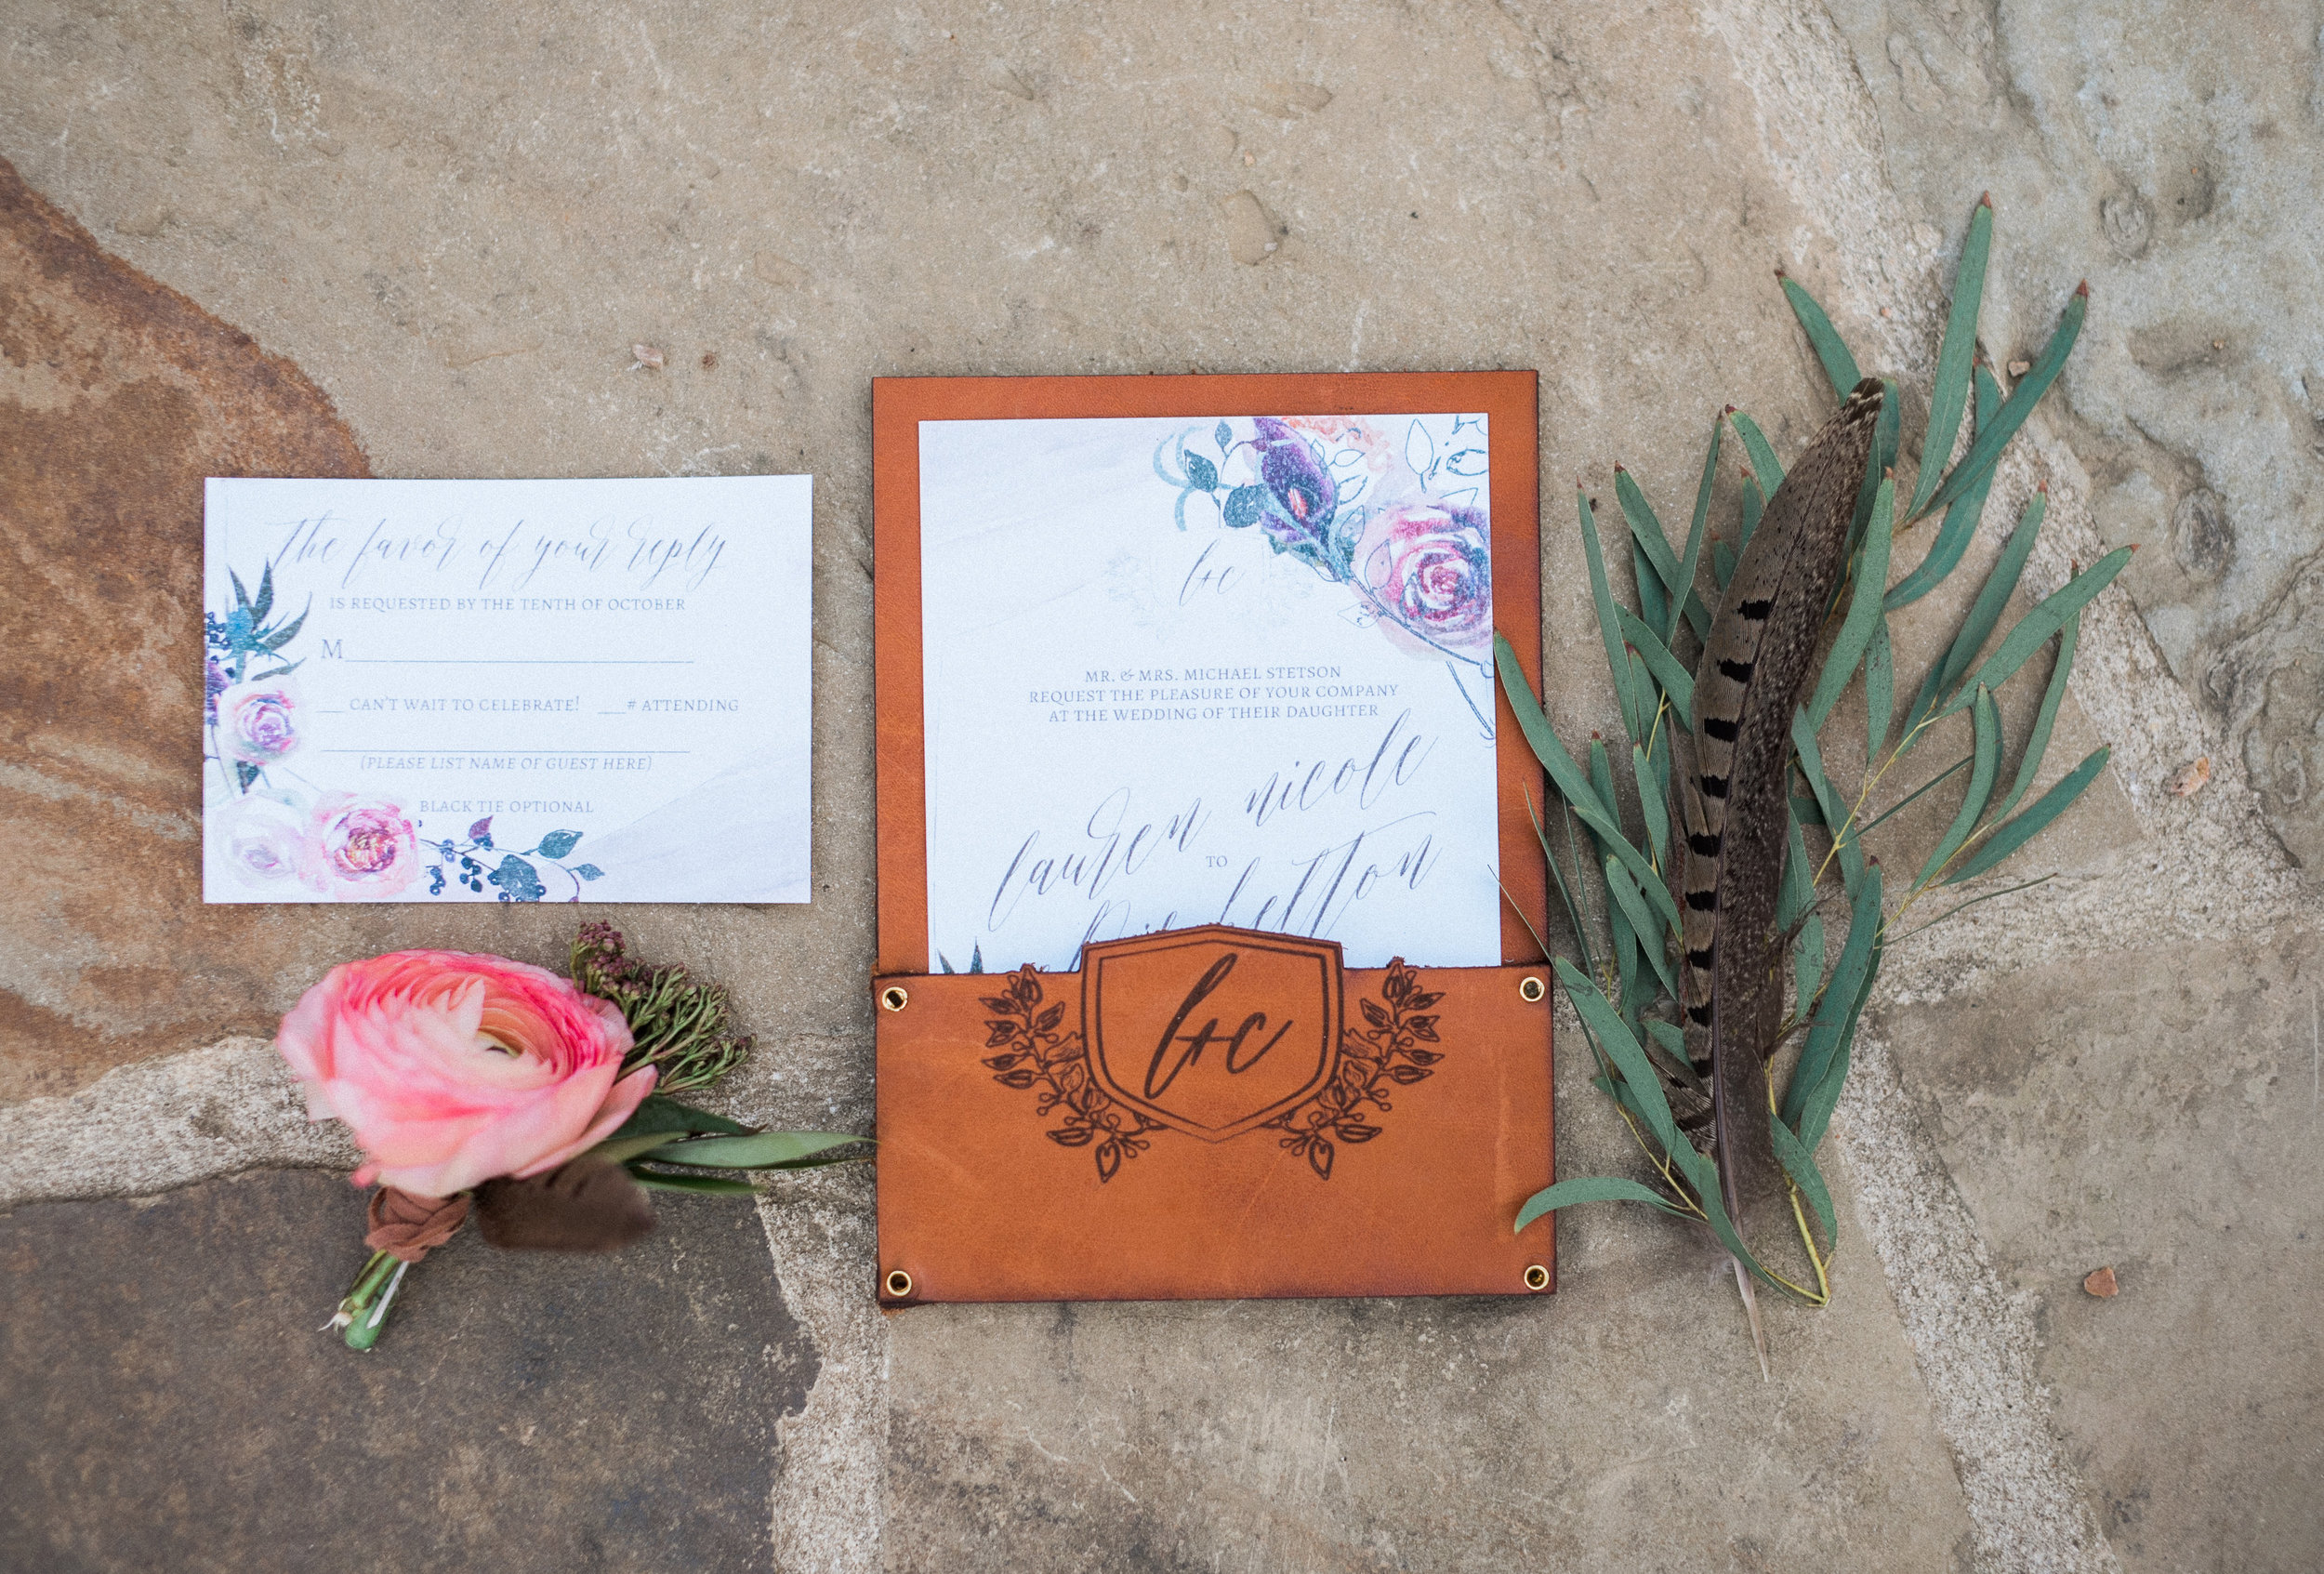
(445, 229)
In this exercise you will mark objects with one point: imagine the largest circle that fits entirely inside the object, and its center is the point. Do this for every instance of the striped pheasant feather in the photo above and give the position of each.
(1733, 801)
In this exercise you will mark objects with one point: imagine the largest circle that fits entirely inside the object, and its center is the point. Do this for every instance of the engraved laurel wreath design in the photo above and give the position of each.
(1386, 1054)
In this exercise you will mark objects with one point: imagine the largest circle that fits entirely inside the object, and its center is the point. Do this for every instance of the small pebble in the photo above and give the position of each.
(2019, 368)
(2188, 779)
(2101, 1284)
(647, 355)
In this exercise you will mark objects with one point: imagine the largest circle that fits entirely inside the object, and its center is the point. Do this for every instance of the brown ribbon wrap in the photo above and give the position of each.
(407, 1226)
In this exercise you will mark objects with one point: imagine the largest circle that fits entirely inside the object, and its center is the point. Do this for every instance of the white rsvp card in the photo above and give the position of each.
(507, 691)
(1220, 671)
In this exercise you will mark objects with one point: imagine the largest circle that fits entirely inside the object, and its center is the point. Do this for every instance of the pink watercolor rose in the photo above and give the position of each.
(265, 838)
(453, 1069)
(358, 848)
(257, 723)
(1429, 567)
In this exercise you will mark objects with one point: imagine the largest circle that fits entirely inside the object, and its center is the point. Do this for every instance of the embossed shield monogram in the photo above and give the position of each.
(1211, 1031)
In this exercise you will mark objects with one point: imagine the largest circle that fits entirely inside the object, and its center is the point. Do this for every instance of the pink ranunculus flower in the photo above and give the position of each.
(453, 1069)
(359, 848)
(1429, 567)
(258, 722)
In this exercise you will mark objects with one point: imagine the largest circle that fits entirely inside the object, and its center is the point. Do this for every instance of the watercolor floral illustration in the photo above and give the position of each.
(281, 828)
(1402, 523)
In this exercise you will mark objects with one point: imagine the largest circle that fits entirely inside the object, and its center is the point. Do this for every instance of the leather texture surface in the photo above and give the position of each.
(1212, 1112)
(1295, 1131)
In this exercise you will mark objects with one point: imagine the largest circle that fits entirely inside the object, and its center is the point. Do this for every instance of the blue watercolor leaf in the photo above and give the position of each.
(588, 871)
(1350, 488)
(265, 600)
(242, 597)
(556, 844)
(1467, 462)
(1201, 474)
(245, 773)
(1225, 434)
(285, 635)
(1243, 505)
(518, 880)
(1419, 450)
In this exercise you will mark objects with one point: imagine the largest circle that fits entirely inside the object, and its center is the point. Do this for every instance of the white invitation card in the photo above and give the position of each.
(507, 691)
(1230, 670)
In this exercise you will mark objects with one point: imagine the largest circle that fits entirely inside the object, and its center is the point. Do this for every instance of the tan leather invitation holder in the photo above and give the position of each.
(1205, 1112)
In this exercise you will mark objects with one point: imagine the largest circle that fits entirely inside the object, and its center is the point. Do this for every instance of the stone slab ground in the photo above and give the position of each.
(312, 238)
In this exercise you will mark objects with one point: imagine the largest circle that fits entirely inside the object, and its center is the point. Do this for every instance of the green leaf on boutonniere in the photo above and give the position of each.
(667, 1116)
(760, 1150)
(715, 1185)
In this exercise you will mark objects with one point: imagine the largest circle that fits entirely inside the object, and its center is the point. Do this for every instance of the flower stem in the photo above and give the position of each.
(363, 1310)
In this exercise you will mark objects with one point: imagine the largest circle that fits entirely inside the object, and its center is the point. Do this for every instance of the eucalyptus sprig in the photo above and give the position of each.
(1623, 992)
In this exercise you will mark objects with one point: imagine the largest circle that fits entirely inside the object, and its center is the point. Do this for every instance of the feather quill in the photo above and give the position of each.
(1731, 798)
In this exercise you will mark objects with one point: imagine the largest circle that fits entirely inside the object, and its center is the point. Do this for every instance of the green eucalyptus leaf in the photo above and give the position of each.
(1955, 355)
(264, 602)
(1872, 824)
(1563, 772)
(1807, 960)
(1821, 1099)
(1589, 1188)
(1879, 693)
(1961, 515)
(1985, 452)
(1766, 469)
(2038, 742)
(1834, 1024)
(1614, 1038)
(2030, 824)
(1651, 808)
(1645, 529)
(1667, 669)
(1887, 431)
(1696, 533)
(1984, 762)
(1653, 605)
(1984, 612)
(1580, 795)
(242, 597)
(1633, 906)
(1800, 1165)
(1670, 1040)
(1864, 609)
(2035, 629)
(1827, 798)
(1609, 627)
(1830, 350)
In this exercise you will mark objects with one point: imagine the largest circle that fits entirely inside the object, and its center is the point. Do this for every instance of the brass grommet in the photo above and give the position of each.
(1530, 989)
(898, 1284)
(1536, 1278)
(893, 997)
